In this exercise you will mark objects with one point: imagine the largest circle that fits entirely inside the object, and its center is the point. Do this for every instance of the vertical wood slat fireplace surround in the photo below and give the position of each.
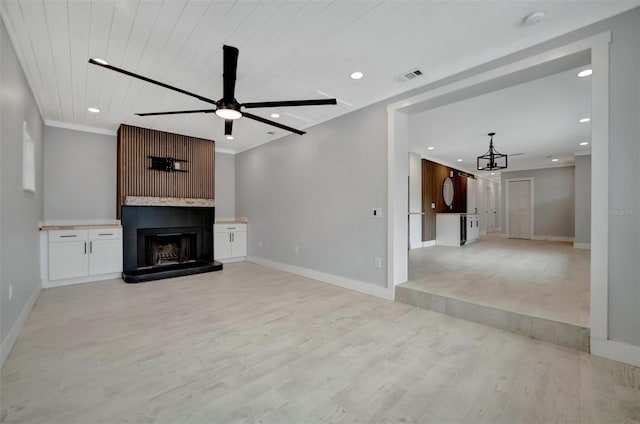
(167, 215)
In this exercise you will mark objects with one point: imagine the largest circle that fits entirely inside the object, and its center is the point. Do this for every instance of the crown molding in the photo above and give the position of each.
(77, 127)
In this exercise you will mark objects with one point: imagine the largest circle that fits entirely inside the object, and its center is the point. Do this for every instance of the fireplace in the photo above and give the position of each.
(164, 241)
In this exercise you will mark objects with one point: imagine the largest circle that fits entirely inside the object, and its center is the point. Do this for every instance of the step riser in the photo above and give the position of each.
(564, 334)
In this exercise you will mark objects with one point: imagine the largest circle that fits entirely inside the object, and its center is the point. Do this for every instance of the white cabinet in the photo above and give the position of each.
(456, 229)
(229, 241)
(83, 253)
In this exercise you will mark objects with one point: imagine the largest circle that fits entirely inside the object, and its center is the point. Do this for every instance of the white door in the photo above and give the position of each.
(105, 256)
(520, 209)
(239, 244)
(490, 210)
(221, 245)
(68, 260)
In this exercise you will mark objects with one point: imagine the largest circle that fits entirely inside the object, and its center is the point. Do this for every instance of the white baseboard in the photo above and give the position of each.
(552, 238)
(16, 329)
(618, 351)
(231, 260)
(336, 280)
(581, 245)
(46, 284)
(428, 243)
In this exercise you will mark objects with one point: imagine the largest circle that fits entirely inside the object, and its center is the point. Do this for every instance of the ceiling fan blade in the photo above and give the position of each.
(230, 66)
(176, 112)
(286, 103)
(228, 126)
(161, 84)
(268, 122)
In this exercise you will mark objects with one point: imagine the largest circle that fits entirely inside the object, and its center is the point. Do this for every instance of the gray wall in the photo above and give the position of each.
(225, 185)
(553, 200)
(21, 211)
(317, 192)
(583, 200)
(79, 174)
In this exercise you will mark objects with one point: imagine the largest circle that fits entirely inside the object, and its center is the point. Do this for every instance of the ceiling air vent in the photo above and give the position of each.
(408, 76)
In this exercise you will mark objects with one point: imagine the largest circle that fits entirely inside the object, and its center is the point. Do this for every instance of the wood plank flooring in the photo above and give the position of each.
(548, 280)
(253, 344)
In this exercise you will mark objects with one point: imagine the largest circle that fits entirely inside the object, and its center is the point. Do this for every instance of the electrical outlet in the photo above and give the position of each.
(433, 206)
(377, 263)
(297, 250)
(377, 212)
(10, 292)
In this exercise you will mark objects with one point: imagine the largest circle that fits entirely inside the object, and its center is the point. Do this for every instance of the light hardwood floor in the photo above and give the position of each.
(253, 344)
(543, 279)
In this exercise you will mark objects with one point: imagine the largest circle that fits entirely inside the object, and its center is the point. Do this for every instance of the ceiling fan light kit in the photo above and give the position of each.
(227, 108)
(492, 160)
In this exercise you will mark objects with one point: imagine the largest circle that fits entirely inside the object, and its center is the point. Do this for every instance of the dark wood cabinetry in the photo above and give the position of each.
(433, 175)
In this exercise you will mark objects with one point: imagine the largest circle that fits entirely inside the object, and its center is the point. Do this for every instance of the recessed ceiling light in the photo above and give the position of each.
(584, 143)
(430, 148)
(583, 120)
(554, 160)
(585, 73)
(100, 61)
(459, 160)
(357, 75)
(93, 110)
(493, 173)
(229, 137)
(275, 115)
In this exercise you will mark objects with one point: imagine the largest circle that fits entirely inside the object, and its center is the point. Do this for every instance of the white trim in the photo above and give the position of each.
(78, 127)
(428, 243)
(531, 203)
(232, 260)
(552, 238)
(618, 351)
(599, 47)
(336, 280)
(581, 245)
(47, 284)
(599, 309)
(582, 153)
(12, 336)
(227, 151)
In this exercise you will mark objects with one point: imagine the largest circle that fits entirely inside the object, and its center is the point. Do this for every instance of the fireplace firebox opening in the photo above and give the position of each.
(170, 249)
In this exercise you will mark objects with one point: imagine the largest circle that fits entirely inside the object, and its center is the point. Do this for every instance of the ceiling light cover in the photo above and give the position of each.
(459, 160)
(585, 73)
(583, 120)
(584, 143)
(430, 148)
(492, 160)
(275, 115)
(93, 110)
(356, 75)
(533, 18)
(229, 137)
(554, 160)
(228, 113)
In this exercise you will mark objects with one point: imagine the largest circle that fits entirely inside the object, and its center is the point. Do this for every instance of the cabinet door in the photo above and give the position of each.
(105, 256)
(221, 245)
(68, 260)
(239, 244)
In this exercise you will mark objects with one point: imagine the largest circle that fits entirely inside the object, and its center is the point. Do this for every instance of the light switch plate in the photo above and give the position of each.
(433, 206)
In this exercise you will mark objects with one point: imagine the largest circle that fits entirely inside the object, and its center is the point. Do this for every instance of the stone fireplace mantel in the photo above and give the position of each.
(168, 201)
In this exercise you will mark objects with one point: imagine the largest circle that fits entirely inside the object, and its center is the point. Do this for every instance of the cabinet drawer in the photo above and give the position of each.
(105, 233)
(58, 236)
(229, 228)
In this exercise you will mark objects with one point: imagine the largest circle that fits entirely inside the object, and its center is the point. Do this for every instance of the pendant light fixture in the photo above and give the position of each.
(492, 160)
